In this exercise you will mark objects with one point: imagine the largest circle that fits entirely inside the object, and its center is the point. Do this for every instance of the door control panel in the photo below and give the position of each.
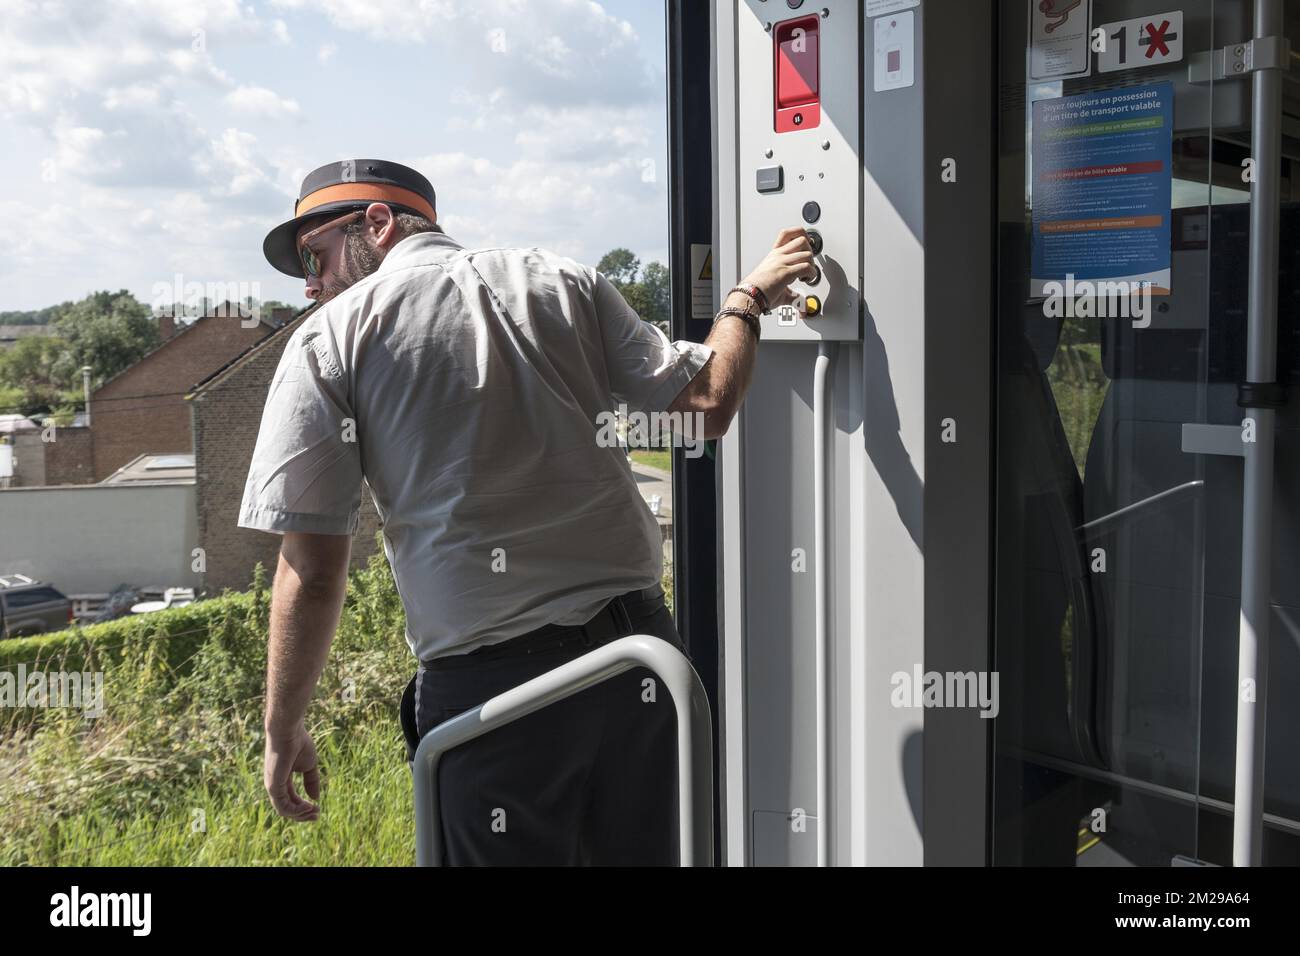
(799, 98)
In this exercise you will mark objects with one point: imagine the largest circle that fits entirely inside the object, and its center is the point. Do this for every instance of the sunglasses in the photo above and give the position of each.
(308, 255)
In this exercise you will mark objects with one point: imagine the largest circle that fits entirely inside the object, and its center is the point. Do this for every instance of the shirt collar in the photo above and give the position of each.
(419, 248)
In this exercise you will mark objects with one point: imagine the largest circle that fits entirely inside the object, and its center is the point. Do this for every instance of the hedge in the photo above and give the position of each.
(183, 628)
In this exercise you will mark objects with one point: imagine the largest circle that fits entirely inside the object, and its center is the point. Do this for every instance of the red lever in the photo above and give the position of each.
(797, 74)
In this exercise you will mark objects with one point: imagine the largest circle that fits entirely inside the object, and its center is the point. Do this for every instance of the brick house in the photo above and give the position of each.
(142, 410)
(226, 410)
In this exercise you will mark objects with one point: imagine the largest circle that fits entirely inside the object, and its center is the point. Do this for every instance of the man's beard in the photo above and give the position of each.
(360, 259)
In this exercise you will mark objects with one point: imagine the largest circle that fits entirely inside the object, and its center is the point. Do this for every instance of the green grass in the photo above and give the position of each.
(366, 817)
(180, 744)
(663, 460)
(171, 773)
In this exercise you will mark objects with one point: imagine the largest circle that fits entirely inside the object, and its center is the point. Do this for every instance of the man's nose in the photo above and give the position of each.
(313, 288)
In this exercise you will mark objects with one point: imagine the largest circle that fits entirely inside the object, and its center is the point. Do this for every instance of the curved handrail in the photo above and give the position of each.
(694, 736)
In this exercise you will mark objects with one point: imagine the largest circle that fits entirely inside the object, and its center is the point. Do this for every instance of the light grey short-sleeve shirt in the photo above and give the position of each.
(468, 389)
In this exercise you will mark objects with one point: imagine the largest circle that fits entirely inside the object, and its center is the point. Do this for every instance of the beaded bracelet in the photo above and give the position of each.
(755, 295)
(749, 318)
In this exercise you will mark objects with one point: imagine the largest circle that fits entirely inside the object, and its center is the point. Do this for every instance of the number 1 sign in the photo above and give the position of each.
(1153, 40)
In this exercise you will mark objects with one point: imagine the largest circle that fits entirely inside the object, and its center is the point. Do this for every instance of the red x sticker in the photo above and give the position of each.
(1156, 39)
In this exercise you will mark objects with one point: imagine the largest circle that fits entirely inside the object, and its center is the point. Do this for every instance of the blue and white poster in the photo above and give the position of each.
(1102, 188)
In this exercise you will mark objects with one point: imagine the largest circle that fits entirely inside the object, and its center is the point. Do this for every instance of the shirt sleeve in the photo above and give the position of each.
(646, 370)
(306, 470)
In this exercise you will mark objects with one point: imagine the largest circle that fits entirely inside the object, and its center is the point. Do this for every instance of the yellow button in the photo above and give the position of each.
(813, 305)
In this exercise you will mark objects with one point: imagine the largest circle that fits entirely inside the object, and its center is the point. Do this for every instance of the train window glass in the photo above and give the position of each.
(1118, 553)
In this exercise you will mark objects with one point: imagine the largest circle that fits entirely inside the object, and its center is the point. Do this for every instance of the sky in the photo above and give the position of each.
(151, 144)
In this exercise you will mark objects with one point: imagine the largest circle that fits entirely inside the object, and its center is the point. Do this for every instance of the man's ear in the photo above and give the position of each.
(381, 223)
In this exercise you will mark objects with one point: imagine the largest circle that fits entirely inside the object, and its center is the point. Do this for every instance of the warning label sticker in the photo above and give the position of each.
(701, 281)
(878, 8)
(1058, 39)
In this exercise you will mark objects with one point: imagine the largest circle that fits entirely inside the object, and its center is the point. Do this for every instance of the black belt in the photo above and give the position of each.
(609, 623)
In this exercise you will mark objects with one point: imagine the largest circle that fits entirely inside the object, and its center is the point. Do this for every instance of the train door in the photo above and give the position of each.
(1125, 172)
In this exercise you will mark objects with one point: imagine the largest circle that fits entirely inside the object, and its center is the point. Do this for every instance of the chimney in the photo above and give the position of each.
(280, 316)
(166, 326)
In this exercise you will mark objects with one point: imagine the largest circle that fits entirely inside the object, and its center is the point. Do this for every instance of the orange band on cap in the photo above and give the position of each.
(364, 192)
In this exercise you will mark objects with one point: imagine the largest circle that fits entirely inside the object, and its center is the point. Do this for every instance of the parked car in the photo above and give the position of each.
(31, 607)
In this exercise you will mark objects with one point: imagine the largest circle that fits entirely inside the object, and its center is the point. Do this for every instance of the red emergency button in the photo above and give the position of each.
(797, 74)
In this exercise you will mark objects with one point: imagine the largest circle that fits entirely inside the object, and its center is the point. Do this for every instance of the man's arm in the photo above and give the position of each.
(306, 601)
(719, 388)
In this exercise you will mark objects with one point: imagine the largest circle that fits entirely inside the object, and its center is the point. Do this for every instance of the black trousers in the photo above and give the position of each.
(590, 780)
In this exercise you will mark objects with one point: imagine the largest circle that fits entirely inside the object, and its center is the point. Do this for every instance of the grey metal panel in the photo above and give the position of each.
(730, 484)
(783, 840)
(891, 577)
(779, 649)
(926, 347)
(820, 164)
(765, 508)
(779, 677)
(959, 124)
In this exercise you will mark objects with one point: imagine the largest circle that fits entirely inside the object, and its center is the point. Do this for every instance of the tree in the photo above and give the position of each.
(619, 266)
(27, 371)
(657, 282)
(109, 331)
(650, 295)
(34, 317)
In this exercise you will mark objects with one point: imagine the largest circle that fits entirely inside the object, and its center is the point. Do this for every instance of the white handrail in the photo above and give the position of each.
(694, 736)
(821, 631)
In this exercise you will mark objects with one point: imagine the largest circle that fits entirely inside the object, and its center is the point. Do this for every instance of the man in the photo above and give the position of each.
(466, 388)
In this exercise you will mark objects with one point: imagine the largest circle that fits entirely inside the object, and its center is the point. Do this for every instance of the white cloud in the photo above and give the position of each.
(538, 201)
(547, 51)
(134, 96)
(152, 142)
(259, 101)
(580, 133)
(198, 65)
(234, 168)
(80, 150)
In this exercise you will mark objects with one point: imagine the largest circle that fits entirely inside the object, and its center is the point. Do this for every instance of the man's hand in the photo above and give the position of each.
(790, 258)
(305, 603)
(717, 390)
(286, 755)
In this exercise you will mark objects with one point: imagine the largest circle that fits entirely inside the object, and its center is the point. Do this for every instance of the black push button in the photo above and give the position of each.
(770, 179)
(811, 212)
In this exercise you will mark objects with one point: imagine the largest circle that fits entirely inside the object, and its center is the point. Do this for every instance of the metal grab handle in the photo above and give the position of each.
(694, 736)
